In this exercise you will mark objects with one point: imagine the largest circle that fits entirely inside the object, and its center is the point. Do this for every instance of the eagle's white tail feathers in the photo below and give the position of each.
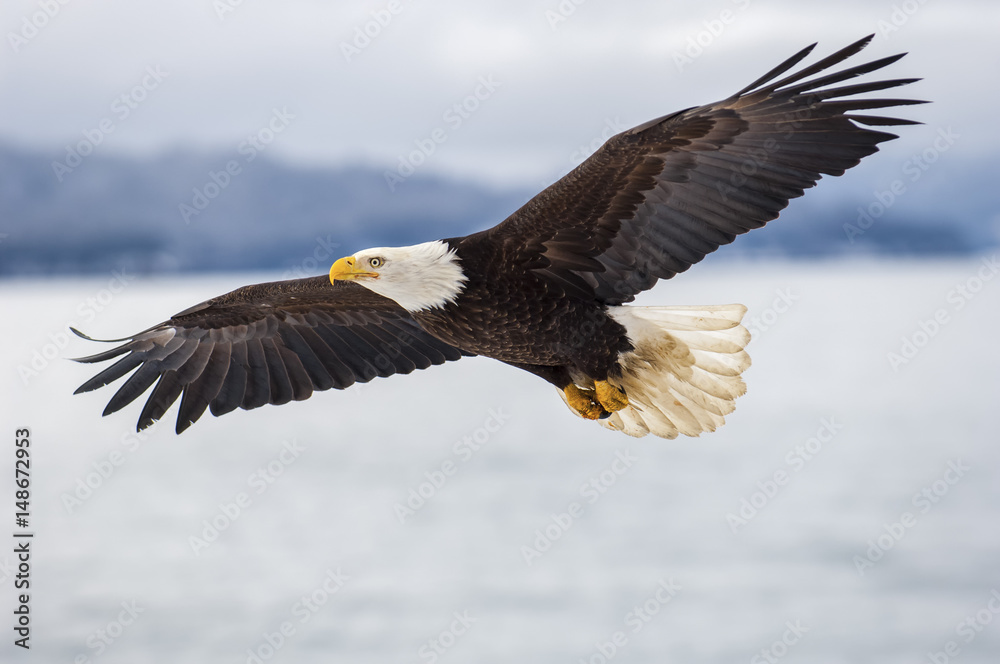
(683, 377)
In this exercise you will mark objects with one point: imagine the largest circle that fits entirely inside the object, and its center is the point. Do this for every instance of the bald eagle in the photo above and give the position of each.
(546, 290)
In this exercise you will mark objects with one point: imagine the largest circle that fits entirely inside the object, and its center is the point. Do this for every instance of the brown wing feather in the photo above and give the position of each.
(655, 199)
(268, 343)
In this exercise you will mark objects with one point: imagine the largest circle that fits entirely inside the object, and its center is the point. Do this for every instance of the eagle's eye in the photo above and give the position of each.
(375, 262)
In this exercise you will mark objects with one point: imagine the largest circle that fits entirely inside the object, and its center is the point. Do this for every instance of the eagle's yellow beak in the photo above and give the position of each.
(344, 269)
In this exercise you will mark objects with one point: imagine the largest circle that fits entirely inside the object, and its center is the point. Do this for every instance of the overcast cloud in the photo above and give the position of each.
(552, 77)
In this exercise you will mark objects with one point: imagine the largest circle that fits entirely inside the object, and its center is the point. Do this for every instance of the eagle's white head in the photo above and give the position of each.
(419, 277)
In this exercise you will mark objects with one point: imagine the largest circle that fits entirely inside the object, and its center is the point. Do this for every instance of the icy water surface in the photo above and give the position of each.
(847, 512)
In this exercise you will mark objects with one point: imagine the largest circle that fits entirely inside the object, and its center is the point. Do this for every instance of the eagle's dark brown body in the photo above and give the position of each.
(524, 319)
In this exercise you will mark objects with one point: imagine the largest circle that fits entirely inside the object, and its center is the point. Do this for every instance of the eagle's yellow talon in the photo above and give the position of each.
(610, 397)
(582, 401)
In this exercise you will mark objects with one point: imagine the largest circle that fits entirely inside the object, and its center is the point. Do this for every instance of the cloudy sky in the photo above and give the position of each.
(542, 83)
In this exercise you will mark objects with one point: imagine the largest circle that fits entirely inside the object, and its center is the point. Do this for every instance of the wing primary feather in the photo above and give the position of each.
(103, 355)
(882, 121)
(411, 346)
(779, 70)
(112, 373)
(294, 339)
(258, 390)
(298, 377)
(133, 388)
(394, 350)
(202, 390)
(163, 396)
(234, 386)
(105, 341)
(349, 350)
(341, 375)
(819, 66)
(369, 348)
(837, 77)
(861, 88)
(281, 387)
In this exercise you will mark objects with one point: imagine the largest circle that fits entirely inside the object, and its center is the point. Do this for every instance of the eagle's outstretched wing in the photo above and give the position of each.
(657, 198)
(268, 343)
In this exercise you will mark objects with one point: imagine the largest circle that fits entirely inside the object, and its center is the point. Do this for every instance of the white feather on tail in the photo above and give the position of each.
(683, 377)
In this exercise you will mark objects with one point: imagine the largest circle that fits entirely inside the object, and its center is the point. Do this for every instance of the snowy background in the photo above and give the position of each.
(880, 544)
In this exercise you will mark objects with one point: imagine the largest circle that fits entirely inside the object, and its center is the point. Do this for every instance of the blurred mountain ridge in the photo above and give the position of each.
(187, 211)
